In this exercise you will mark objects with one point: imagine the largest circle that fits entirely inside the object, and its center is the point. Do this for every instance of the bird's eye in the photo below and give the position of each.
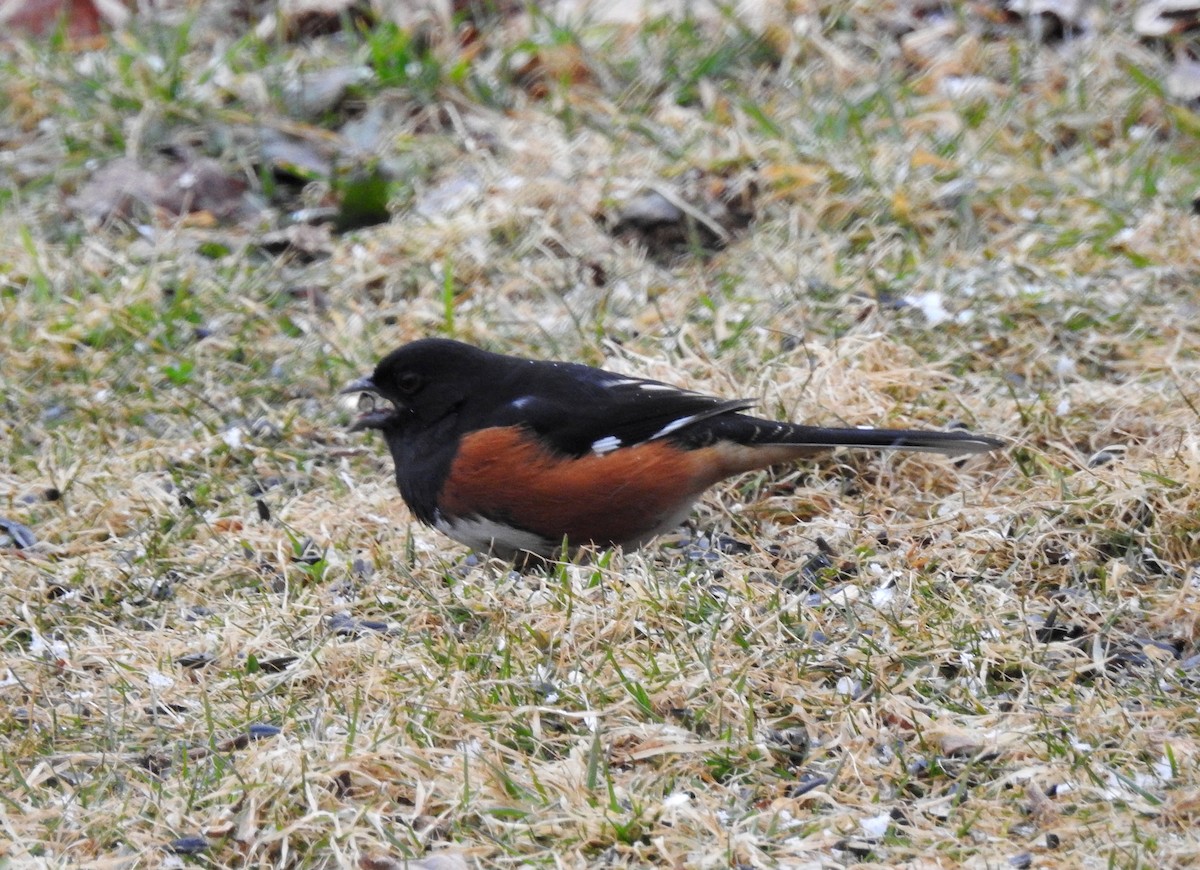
(408, 383)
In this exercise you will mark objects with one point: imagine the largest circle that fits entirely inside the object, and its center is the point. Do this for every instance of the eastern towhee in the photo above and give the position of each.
(512, 455)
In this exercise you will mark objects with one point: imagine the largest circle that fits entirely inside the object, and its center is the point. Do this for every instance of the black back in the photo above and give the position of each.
(570, 406)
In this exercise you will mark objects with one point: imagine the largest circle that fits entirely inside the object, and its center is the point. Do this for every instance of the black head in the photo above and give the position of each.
(423, 381)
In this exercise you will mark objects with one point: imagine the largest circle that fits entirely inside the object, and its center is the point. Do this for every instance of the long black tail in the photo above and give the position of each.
(951, 443)
(799, 440)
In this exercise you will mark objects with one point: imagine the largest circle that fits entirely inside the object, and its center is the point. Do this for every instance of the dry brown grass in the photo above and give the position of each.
(993, 662)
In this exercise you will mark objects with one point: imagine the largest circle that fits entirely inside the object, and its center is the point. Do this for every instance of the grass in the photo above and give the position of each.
(233, 646)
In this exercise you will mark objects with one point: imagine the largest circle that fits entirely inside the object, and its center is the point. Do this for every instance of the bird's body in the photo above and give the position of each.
(514, 455)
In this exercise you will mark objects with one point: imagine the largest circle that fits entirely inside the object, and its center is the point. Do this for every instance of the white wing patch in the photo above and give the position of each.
(522, 402)
(675, 426)
(644, 385)
(607, 444)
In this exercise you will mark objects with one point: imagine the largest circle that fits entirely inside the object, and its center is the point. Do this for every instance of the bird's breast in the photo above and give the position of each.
(504, 474)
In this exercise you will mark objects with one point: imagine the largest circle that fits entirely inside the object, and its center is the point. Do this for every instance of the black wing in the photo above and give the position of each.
(580, 410)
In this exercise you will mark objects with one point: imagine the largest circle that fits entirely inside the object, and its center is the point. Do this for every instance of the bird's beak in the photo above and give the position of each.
(371, 414)
(362, 385)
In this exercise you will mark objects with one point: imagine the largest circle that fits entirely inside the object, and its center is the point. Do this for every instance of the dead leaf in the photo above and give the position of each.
(200, 185)
(449, 195)
(928, 45)
(82, 18)
(1051, 19)
(924, 157)
(551, 64)
(433, 861)
(306, 243)
(1041, 808)
(961, 744)
(302, 159)
(1161, 18)
(702, 210)
(1183, 81)
(192, 187)
(111, 190)
(649, 209)
(311, 95)
(305, 19)
(792, 179)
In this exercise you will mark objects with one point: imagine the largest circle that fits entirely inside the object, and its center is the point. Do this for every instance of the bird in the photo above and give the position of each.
(515, 457)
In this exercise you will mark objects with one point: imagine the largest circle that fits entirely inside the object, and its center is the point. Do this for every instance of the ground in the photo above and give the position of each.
(226, 642)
